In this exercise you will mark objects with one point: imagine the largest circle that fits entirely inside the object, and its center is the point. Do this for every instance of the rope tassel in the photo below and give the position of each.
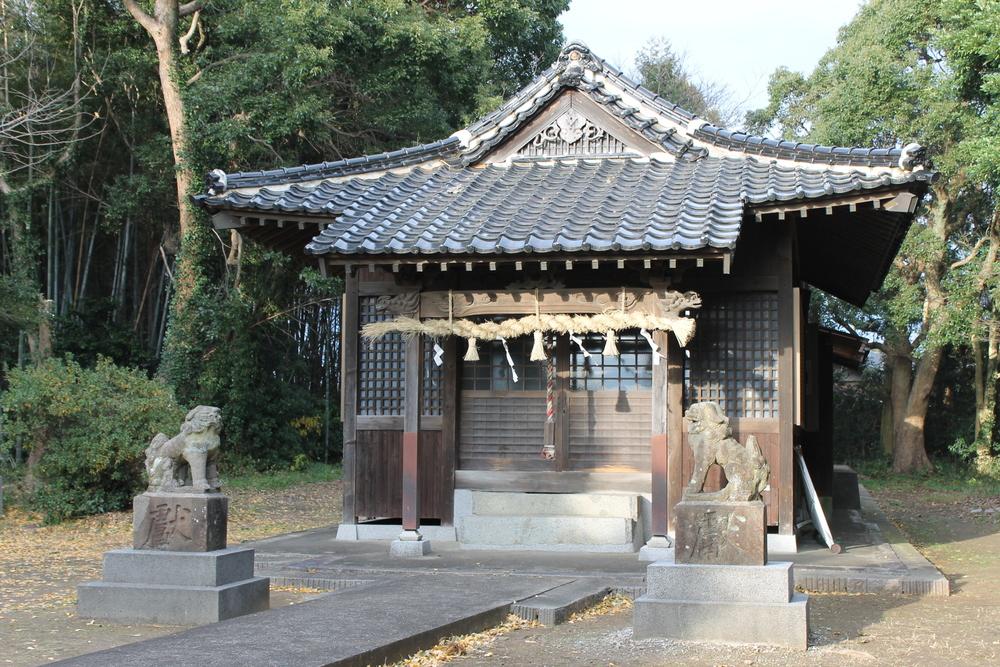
(538, 349)
(472, 354)
(610, 346)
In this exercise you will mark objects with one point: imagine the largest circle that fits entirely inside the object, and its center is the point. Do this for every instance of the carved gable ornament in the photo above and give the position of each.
(573, 133)
(572, 125)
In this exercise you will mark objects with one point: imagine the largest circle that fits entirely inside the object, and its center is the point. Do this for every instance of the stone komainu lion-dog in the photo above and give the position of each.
(711, 440)
(196, 446)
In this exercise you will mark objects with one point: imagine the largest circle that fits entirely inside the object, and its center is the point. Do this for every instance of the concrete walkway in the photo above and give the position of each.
(876, 559)
(365, 625)
(384, 609)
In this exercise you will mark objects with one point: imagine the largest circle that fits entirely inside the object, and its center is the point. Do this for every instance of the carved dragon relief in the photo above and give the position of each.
(407, 303)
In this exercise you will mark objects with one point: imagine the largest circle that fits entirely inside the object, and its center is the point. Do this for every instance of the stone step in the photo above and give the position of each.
(490, 503)
(571, 533)
(555, 606)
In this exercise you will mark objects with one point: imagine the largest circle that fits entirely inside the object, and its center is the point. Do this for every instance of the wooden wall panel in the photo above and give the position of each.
(767, 438)
(610, 430)
(502, 431)
(379, 491)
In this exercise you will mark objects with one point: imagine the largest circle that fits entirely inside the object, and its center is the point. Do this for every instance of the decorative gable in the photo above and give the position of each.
(574, 134)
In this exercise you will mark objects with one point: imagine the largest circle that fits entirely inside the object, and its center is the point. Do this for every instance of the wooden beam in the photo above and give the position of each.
(550, 301)
(349, 391)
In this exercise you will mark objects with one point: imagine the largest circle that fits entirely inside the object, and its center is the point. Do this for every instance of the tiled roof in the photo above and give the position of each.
(679, 132)
(552, 205)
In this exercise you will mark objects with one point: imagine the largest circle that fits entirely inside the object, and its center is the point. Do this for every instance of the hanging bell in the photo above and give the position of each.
(472, 354)
(538, 349)
(610, 345)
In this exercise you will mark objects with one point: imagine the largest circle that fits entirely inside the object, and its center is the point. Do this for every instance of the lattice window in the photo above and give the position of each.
(492, 373)
(734, 355)
(431, 392)
(381, 366)
(631, 369)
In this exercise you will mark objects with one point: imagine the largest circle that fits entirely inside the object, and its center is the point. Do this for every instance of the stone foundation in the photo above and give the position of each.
(180, 571)
(175, 588)
(754, 604)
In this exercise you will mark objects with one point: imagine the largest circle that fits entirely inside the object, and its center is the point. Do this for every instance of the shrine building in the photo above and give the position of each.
(531, 303)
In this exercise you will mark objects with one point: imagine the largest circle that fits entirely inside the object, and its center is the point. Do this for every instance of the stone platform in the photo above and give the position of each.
(754, 604)
(174, 587)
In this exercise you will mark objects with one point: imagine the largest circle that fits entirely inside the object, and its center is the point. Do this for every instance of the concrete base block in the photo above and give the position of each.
(347, 531)
(658, 548)
(781, 544)
(174, 587)
(171, 605)
(409, 548)
(778, 624)
(651, 554)
(771, 583)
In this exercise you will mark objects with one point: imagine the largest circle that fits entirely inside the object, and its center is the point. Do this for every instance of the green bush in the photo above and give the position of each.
(85, 430)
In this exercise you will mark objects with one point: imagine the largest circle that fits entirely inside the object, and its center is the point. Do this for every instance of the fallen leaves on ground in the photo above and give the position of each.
(615, 603)
(460, 645)
(40, 565)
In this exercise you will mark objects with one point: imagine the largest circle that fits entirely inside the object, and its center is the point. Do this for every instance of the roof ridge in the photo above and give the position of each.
(680, 133)
(219, 181)
(576, 66)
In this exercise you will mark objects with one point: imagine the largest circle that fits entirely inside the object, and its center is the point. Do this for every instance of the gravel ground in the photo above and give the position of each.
(958, 534)
(40, 567)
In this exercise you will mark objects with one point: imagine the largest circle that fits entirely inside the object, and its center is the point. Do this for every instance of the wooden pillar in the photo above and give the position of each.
(350, 330)
(658, 442)
(675, 430)
(561, 426)
(449, 424)
(786, 383)
(411, 434)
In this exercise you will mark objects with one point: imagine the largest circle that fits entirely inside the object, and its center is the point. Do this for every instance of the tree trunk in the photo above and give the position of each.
(162, 27)
(909, 452)
(986, 396)
(988, 360)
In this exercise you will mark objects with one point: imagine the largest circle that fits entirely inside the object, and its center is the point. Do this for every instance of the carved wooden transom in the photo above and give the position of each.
(573, 134)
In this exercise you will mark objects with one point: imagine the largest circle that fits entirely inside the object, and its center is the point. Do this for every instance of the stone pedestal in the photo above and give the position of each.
(180, 571)
(657, 548)
(409, 544)
(179, 521)
(711, 532)
(754, 604)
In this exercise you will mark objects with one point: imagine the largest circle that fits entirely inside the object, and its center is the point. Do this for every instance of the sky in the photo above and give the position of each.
(737, 44)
